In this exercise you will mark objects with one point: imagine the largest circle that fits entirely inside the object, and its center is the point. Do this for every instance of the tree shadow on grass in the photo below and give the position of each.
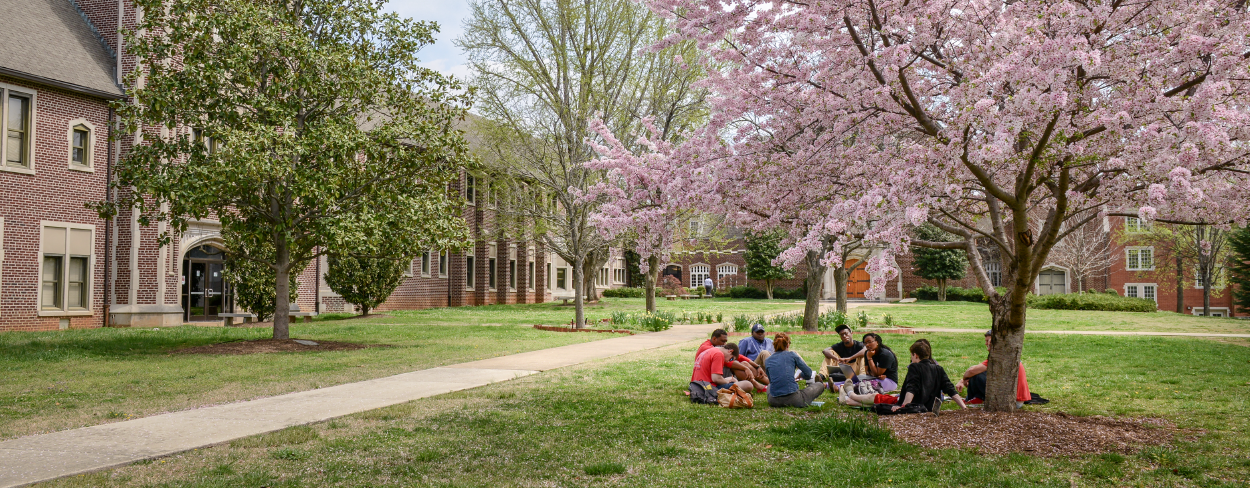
(114, 343)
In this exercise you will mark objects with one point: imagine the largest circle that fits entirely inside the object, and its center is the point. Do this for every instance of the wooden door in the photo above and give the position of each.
(1051, 282)
(858, 282)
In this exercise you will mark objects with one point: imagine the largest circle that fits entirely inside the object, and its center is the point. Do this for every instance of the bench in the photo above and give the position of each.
(670, 297)
(295, 312)
(247, 317)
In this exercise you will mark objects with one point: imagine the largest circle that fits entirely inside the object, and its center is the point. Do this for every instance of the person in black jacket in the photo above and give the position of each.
(922, 388)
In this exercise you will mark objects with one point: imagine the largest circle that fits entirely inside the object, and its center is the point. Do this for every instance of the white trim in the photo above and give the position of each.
(1139, 248)
(33, 123)
(1, 261)
(1142, 291)
(89, 146)
(1067, 278)
(1217, 278)
(89, 280)
(1197, 312)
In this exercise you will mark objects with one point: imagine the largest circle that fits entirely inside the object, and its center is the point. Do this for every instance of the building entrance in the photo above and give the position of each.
(204, 292)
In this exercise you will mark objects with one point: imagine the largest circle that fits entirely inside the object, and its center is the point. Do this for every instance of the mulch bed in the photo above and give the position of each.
(271, 345)
(1036, 433)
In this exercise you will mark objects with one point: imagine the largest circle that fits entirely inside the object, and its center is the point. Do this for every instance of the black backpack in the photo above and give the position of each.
(702, 392)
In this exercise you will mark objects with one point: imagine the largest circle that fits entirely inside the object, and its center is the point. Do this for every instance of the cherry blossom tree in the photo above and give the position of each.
(1010, 122)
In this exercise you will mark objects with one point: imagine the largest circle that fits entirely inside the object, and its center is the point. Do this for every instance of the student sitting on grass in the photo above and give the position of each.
(757, 347)
(783, 390)
(743, 368)
(848, 351)
(922, 389)
(710, 367)
(881, 363)
(719, 338)
(974, 379)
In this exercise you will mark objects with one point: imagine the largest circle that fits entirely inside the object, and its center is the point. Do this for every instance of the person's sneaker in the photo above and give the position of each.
(974, 401)
(937, 406)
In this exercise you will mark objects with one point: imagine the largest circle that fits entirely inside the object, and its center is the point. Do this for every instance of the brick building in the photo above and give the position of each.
(61, 266)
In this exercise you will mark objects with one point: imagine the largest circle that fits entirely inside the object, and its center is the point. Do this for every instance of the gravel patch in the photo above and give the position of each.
(1036, 433)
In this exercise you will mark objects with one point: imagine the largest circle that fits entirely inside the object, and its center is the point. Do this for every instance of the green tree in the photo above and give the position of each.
(254, 283)
(300, 125)
(1239, 266)
(365, 281)
(544, 68)
(761, 250)
(938, 264)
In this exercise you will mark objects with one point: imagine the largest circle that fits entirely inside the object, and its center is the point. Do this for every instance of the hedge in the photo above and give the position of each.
(778, 293)
(1092, 301)
(953, 294)
(626, 292)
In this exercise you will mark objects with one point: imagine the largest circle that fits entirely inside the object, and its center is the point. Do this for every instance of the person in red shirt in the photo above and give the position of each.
(974, 380)
(719, 338)
(710, 367)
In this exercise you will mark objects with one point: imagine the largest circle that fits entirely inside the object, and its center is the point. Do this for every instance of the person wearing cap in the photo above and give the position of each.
(757, 347)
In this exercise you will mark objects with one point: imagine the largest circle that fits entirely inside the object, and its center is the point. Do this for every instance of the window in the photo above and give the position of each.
(512, 274)
(80, 146)
(1141, 290)
(491, 273)
(469, 271)
(65, 274)
(442, 264)
(408, 269)
(1134, 224)
(561, 275)
(726, 269)
(17, 125)
(530, 282)
(201, 136)
(470, 188)
(602, 278)
(618, 275)
(1140, 259)
(1217, 278)
(425, 263)
(551, 278)
(694, 228)
(994, 268)
(698, 273)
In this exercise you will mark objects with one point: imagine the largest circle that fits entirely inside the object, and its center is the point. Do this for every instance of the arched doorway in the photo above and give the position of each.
(673, 270)
(205, 293)
(858, 281)
(1052, 282)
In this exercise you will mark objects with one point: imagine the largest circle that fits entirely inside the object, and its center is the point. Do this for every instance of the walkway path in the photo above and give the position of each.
(44, 457)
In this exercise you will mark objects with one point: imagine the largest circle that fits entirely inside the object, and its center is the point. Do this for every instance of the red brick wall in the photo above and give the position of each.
(54, 193)
(1163, 275)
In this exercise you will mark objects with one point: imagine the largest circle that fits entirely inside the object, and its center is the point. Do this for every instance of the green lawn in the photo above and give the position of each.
(556, 314)
(66, 379)
(968, 315)
(624, 422)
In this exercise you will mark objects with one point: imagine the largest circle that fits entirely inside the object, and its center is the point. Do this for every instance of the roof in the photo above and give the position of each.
(50, 42)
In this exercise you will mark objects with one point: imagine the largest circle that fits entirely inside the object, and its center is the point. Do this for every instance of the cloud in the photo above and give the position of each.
(443, 55)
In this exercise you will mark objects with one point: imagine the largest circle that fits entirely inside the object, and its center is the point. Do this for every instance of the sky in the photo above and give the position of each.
(443, 55)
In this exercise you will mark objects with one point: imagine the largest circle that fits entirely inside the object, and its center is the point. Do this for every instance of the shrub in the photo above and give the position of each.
(625, 292)
(670, 284)
(1092, 301)
(365, 281)
(1111, 292)
(861, 319)
(745, 291)
(660, 320)
(795, 294)
(953, 294)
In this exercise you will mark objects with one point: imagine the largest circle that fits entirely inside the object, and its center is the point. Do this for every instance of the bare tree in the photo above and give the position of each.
(1085, 252)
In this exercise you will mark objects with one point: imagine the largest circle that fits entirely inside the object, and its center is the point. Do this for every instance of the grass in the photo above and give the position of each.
(968, 315)
(624, 422)
(555, 314)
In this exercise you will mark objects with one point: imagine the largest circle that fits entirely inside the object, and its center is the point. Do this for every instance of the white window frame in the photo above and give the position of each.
(1128, 252)
(89, 282)
(470, 272)
(2, 262)
(1140, 290)
(1217, 276)
(32, 123)
(1135, 225)
(470, 189)
(444, 262)
(1223, 311)
(562, 284)
(89, 157)
(721, 270)
(530, 282)
(425, 262)
(701, 270)
(618, 276)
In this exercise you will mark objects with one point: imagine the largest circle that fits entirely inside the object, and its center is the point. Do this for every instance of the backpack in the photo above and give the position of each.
(887, 409)
(702, 392)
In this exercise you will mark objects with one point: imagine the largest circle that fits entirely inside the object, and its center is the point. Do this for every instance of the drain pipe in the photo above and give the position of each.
(108, 224)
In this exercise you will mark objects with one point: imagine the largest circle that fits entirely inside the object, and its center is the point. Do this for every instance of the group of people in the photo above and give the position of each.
(770, 366)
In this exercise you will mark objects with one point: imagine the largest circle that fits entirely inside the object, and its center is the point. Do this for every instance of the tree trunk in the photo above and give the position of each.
(579, 284)
(840, 276)
(941, 282)
(653, 263)
(1180, 285)
(592, 293)
(1206, 291)
(364, 310)
(1008, 314)
(768, 289)
(282, 302)
(815, 277)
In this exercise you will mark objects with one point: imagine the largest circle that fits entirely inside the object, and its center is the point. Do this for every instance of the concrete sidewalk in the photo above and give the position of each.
(44, 457)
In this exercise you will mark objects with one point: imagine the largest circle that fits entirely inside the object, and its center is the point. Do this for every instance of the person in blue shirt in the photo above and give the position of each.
(757, 347)
(783, 390)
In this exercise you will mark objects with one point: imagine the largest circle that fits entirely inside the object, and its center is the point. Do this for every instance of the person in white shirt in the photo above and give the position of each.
(707, 285)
